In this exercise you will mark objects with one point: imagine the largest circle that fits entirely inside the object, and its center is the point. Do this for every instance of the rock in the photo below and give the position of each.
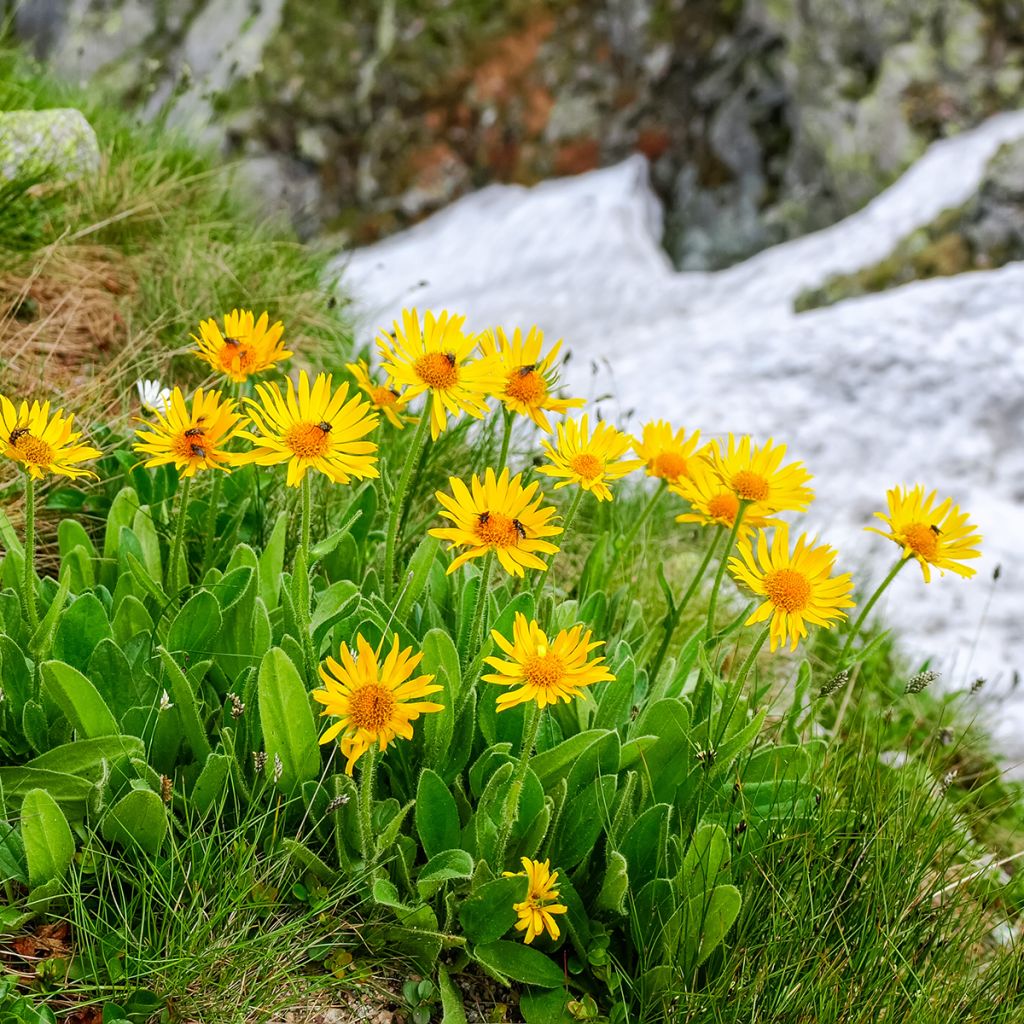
(58, 144)
(286, 187)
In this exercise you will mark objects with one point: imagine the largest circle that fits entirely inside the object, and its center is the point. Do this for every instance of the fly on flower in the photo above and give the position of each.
(41, 442)
(383, 398)
(246, 345)
(536, 912)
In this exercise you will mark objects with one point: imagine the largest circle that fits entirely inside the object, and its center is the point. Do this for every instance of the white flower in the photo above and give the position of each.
(153, 395)
(165, 702)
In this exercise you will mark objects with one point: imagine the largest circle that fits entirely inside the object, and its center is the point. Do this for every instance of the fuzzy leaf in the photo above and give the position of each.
(287, 719)
(49, 844)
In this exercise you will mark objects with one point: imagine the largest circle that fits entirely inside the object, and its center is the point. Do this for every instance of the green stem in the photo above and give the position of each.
(672, 620)
(177, 578)
(625, 542)
(866, 610)
(366, 840)
(476, 629)
(730, 544)
(509, 418)
(543, 574)
(30, 553)
(531, 727)
(398, 503)
(211, 526)
(305, 611)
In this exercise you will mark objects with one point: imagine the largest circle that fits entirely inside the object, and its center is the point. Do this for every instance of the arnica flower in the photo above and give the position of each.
(436, 358)
(713, 503)
(245, 347)
(670, 455)
(316, 428)
(536, 912)
(757, 474)
(590, 460)
(373, 702)
(383, 398)
(192, 439)
(43, 443)
(529, 377)
(798, 587)
(498, 515)
(541, 670)
(934, 534)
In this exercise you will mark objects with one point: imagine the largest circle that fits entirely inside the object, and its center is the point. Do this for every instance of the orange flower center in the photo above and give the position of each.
(382, 397)
(371, 707)
(526, 386)
(32, 449)
(544, 670)
(437, 370)
(787, 589)
(922, 540)
(308, 440)
(495, 529)
(193, 446)
(668, 465)
(724, 506)
(235, 357)
(586, 465)
(749, 486)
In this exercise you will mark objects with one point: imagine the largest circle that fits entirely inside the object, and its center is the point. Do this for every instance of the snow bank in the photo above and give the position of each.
(921, 384)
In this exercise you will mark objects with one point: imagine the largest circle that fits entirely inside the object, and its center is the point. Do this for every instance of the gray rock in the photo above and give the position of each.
(58, 144)
(286, 187)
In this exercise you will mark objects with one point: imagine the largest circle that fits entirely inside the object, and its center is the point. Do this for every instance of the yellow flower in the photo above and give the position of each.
(528, 377)
(590, 460)
(373, 702)
(544, 671)
(939, 535)
(43, 443)
(246, 346)
(498, 515)
(713, 503)
(757, 474)
(669, 455)
(382, 398)
(317, 429)
(435, 358)
(798, 588)
(191, 439)
(537, 910)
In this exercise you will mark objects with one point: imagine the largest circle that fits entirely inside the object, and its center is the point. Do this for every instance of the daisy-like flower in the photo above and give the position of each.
(153, 395)
(437, 358)
(590, 460)
(193, 438)
(541, 670)
(798, 587)
(536, 912)
(757, 474)
(313, 428)
(384, 399)
(529, 377)
(246, 345)
(41, 442)
(372, 702)
(669, 454)
(935, 534)
(499, 515)
(713, 503)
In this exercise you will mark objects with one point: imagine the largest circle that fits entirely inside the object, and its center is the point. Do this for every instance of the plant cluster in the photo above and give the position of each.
(534, 779)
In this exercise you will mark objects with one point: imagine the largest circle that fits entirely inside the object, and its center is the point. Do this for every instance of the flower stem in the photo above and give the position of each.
(398, 504)
(672, 619)
(866, 610)
(30, 553)
(626, 541)
(302, 562)
(177, 577)
(211, 525)
(543, 574)
(531, 727)
(366, 841)
(507, 437)
(476, 629)
(730, 544)
(748, 663)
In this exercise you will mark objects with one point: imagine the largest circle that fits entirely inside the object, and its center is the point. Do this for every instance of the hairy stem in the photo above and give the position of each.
(398, 503)
(31, 610)
(531, 727)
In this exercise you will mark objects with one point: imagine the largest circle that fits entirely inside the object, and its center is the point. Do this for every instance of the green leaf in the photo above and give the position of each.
(441, 660)
(584, 819)
(149, 542)
(212, 782)
(138, 819)
(287, 719)
(554, 764)
(121, 513)
(615, 884)
(707, 855)
(519, 962)
(669, 760)
(645, 845)
(42, 639)
(70, 791)
(184, 700)
(131, 619)
(49, 844)
(488, 914)
(452, 1009)
(416, 576)
(79, 700)
(86, 758)
(82, 626)
(195, 625)
(709, 920)
(437, 817)
(550, 1006)
(441, 868)
(272, 563)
